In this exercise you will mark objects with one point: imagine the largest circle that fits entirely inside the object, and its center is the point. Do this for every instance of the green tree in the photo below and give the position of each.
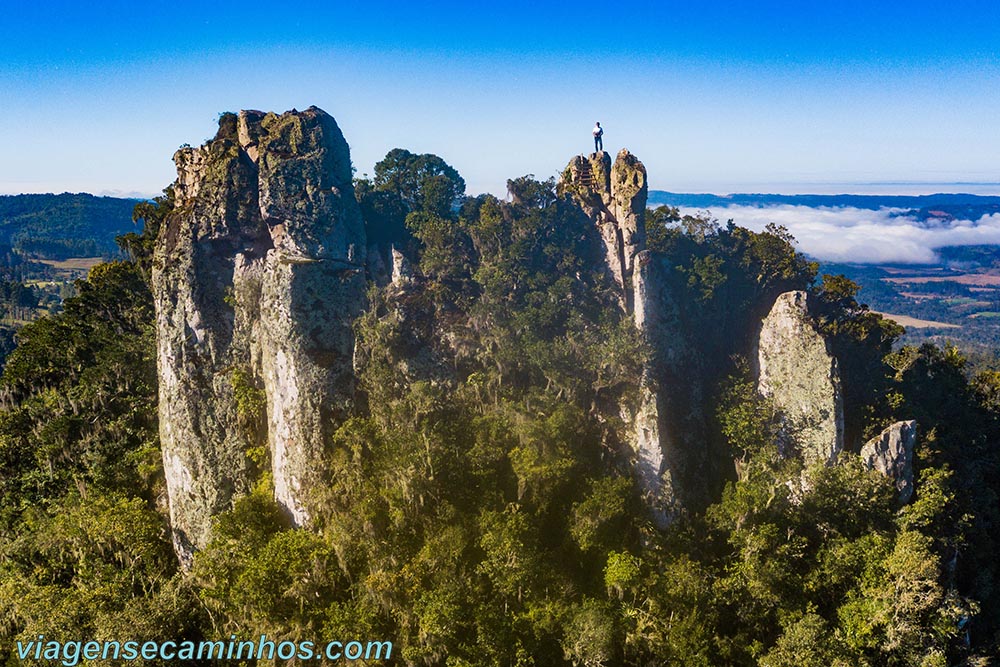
(423, 183)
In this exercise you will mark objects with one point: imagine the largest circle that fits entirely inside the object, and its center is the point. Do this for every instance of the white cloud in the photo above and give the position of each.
(845, 234)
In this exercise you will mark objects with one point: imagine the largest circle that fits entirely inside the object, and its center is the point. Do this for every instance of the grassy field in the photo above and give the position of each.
(74, 267)
(913, 322)
(954, 301)
(73, 263)
(973, 279)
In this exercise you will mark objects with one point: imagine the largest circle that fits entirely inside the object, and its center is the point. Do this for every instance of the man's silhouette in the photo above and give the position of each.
(598, 142)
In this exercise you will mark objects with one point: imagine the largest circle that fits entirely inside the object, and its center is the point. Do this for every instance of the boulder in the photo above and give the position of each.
(891, 453)
(798, 372)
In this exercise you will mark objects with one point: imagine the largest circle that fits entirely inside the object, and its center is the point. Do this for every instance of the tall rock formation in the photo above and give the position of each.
(891, 453)
(798, 372)
(666, 458)
(614, 198)
(257, 279)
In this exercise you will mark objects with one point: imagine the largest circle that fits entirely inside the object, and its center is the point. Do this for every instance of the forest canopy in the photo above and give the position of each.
(66, 225)
(476, 509)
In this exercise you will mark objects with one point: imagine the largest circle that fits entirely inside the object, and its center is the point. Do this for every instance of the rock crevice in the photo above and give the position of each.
(259, 270)
(614, 198)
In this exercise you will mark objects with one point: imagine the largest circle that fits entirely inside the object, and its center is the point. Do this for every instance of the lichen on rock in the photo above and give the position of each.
(798, 372)
(259, 268)
(614, 198)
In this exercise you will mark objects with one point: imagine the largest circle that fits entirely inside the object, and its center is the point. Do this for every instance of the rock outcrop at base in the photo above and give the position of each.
(257, 279)
(797, 371)
(891, 453)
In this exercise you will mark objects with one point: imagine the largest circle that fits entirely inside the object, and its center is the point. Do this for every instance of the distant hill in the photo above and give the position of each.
(52, 226)
(947, 202)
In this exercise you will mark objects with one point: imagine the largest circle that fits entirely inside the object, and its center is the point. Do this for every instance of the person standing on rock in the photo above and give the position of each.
(598, 132)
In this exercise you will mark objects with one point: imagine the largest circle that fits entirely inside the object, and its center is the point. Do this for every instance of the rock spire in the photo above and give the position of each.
(257, 278)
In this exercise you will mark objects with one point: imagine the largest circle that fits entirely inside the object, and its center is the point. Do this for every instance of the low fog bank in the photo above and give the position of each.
(845, 234)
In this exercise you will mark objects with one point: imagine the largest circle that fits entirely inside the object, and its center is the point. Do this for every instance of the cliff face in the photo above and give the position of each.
(669, 427)
(258, 276)
(656, 477)
(613, 197)
(798, 372)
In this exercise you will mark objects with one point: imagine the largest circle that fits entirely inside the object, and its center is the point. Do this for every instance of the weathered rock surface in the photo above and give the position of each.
(402, 272)
(891, 453)
(629, 192)
(258, 274)
(656, 479)
(798, 372)
(665, 441)
(614, 197)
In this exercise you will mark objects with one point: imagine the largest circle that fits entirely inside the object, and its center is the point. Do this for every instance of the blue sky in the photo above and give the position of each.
(719, 97)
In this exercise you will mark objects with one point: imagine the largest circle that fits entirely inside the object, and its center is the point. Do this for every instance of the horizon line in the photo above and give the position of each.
(774, 188)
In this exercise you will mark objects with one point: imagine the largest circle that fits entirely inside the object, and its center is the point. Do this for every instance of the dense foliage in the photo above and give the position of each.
(83, 543)
(479, 509)
(66, 225)
(50, 227)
